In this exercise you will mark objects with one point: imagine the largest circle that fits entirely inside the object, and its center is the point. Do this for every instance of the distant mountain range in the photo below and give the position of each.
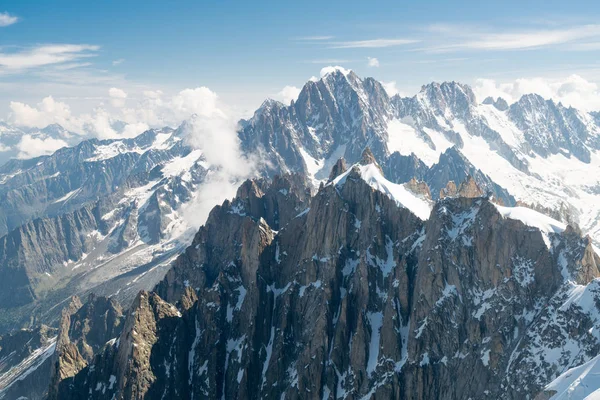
(444, 248)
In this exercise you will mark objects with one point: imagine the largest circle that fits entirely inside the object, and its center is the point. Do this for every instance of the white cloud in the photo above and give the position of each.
(50, 111)
(70, 66)
(6, 19)
(372, 62)
(119, 61)
(117, 97)
(288, 93)
(572, 91)
(133, 129)
(215, 134)
(534, 38)
(469, 38)
(201, 101)
(373, 43)
(30, 146)
(390, 88)
(47, 112)
(152, 94)
(45, 55)
(117, 93)
(157, 110)
(151, 109)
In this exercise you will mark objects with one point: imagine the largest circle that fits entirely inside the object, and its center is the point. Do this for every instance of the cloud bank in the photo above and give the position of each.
(30, 146)
(572, 91)
(152, 110)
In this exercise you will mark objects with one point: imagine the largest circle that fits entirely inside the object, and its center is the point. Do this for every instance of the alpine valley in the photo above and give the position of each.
(437, 246)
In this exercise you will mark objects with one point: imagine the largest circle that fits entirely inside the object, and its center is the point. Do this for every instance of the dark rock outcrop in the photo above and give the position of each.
(350, 297)
(85, 329)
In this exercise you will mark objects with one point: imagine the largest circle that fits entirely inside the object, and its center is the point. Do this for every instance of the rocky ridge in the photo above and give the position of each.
(348, 294)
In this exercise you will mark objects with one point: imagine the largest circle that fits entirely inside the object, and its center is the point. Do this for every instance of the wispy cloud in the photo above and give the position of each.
(66, 67)
(314, 38)
(44, 55)
(588, 46)
(373, 43)
(119, 61)
(6, 19)
(372, 62)
(468, 38)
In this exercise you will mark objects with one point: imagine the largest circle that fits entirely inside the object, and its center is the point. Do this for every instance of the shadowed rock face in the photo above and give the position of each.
(42, 246)
(347, 295)
(65, 215)
(84, 330)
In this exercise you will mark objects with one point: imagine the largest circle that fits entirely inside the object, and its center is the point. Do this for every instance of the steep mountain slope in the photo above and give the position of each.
(103, 216)
(25, 362)
(357, 297)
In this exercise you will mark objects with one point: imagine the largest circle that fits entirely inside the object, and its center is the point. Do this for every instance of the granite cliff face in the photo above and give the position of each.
(349, 294)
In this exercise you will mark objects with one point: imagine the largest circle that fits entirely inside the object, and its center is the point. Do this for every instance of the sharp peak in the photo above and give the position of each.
(435, 84)
(452, 152)
(369, 158)
(54, 125)
(532, 96)
(269, 102)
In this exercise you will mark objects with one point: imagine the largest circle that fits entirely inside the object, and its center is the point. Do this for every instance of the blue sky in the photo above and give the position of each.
(75, 51)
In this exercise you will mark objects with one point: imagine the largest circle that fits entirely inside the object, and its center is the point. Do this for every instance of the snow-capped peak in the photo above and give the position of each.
(534, 219)
(371, 174)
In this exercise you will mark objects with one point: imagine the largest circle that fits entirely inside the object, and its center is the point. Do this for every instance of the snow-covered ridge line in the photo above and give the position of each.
(27, 366)
(582, 382)
(371, 174)
(534, 219)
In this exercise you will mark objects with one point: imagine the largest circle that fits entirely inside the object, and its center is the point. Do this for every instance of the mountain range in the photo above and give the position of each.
(389, 247)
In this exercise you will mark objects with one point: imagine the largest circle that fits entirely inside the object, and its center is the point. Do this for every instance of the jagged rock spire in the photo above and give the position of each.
(418, 187)
(449, 191)
(469, 188)
(339, 168)
(368, 158)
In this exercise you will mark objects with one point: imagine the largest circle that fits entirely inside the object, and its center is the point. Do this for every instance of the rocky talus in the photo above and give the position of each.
(347, 295)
